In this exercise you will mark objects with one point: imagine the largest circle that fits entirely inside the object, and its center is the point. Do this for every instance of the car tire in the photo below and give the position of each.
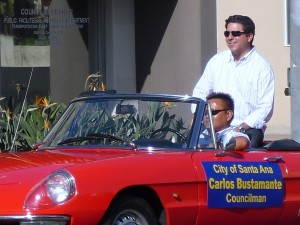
(131, 211)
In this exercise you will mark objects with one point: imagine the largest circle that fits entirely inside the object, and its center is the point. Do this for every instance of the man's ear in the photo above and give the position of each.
(229, 115)
(250, 37)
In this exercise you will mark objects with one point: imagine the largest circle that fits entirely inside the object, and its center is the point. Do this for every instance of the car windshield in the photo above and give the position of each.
(127, 120)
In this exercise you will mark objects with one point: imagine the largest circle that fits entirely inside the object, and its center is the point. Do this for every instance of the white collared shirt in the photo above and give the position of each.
(250, 82)
(223, 135)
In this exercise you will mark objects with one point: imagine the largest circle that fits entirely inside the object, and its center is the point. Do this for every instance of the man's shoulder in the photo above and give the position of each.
(221, 56)
(259, 59)
(225, 53)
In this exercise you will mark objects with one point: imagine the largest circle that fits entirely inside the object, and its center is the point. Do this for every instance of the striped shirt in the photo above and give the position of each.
(222, 136)
(250, 82)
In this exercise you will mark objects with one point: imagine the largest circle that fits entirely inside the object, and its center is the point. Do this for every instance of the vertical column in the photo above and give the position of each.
(120, 46)
(295, 70)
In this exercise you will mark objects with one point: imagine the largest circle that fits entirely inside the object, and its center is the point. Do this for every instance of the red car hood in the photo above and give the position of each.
(20, 172)
(50, 160)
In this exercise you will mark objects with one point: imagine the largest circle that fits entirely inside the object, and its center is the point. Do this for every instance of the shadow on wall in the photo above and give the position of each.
(152, 19)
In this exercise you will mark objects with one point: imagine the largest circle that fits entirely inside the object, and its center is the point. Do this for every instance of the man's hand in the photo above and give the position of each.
(242, 127)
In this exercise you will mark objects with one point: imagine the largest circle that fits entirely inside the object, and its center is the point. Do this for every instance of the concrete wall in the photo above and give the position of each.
(18, 64)
(23, 55)
(189, 41)
(69, 65)
(120, 46)
(69, 47)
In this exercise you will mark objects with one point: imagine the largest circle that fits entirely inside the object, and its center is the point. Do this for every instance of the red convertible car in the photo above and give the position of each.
(134, 159)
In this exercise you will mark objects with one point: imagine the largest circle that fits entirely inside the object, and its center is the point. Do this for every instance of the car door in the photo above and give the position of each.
(291, 210)
(240, 187)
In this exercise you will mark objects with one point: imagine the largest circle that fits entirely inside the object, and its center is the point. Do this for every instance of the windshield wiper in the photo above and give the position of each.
(96, 137)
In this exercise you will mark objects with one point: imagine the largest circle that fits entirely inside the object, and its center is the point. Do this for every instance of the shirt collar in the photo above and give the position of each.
(245, 57)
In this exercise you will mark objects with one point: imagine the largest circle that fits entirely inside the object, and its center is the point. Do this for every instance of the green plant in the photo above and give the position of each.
(21, 130)
(6, 127)
(131, 126)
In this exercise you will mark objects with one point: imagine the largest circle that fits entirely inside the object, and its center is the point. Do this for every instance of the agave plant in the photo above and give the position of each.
(132, 126)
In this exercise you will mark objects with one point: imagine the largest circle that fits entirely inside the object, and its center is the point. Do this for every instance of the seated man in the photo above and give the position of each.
(222, 108)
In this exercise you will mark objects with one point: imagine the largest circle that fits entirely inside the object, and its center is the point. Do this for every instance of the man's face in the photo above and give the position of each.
(220, 114)
(238, 45)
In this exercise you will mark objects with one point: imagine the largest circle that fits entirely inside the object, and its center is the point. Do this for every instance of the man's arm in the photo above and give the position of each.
(242, 143)
(264, 109)
(236, 141)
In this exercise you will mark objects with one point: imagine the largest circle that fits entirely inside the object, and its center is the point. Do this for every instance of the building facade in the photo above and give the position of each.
(133, 46)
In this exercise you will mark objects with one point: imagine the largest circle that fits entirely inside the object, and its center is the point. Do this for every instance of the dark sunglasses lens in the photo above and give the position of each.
(215, 112)
(236, 33)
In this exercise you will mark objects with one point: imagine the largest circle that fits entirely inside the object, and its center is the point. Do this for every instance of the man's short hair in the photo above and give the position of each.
(245, 21)
(226, 98)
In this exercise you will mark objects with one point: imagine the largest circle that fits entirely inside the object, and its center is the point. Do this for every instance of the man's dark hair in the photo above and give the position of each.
(226, 98)
(245, 21)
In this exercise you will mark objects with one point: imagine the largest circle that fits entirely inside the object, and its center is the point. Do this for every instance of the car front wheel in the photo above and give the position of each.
(131, 211)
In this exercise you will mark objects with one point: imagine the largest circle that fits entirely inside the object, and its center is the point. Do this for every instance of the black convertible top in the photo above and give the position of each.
(283, 145)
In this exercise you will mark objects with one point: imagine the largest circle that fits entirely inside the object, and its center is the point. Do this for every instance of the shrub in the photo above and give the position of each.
(26, 125)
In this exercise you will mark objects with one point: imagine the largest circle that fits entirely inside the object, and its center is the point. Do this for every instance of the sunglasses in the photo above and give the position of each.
(215, 112)
(234, 33)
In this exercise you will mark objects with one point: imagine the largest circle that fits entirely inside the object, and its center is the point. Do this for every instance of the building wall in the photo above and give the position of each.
(69, 62)
(72, 60)
(188, 43)
(120, 42)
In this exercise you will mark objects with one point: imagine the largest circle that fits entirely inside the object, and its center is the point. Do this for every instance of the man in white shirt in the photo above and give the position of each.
(241, 72)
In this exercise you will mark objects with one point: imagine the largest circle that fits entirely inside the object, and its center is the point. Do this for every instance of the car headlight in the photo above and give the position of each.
(56, 189)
